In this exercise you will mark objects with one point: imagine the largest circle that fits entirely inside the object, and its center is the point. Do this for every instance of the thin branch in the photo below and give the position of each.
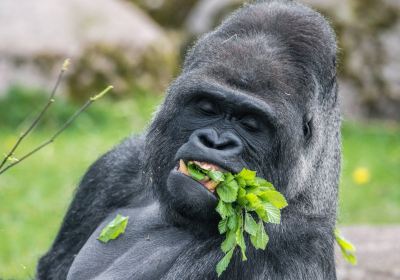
(40, 115)
(60, 130)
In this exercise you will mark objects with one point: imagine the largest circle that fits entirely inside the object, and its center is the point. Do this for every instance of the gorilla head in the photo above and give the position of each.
(258, 92)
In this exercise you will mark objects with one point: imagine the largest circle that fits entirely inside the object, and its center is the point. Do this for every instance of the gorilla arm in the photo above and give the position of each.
(109, 184)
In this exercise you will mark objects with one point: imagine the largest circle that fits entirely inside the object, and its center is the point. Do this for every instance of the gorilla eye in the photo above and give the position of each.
(250, 123)
(207, 107)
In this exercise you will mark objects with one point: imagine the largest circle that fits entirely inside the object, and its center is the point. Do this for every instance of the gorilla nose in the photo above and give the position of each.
(225, 145)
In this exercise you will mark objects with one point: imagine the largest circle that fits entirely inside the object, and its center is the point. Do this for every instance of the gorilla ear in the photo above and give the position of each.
(307, 126)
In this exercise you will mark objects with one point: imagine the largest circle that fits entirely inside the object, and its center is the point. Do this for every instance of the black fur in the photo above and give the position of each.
(258, 92)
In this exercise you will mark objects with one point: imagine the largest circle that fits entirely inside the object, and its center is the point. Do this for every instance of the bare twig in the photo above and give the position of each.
(40, 115)
(59, 131)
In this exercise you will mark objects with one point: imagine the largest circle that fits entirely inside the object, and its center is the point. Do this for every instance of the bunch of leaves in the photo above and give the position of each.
(246, 202)
(243, 197)
(113, 229)
(348, 250)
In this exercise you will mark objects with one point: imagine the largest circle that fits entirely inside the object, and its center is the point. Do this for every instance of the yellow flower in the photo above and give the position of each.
(361, 175)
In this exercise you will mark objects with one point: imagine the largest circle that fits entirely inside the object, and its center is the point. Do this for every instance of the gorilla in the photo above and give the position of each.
(258, 92)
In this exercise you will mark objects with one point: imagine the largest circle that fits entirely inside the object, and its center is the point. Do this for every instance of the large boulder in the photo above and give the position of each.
(109, 41)
(369, 46)
(168, 13)
(207, 14)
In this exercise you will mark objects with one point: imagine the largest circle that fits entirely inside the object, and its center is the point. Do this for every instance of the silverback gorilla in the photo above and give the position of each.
(258, 92)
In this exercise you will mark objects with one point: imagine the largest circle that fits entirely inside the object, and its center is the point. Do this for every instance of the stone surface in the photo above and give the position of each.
(57, 26)
(378, 252)
(205, 15)
(368, 32)
(36, 36)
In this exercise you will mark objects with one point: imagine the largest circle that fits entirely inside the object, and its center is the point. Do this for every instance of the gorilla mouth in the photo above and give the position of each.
(206, 182)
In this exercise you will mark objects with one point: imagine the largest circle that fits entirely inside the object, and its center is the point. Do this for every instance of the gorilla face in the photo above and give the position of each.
(252, 96)
(221, 127)
(229, 128)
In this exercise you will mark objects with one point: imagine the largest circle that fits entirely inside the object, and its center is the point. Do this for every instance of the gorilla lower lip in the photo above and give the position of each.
(206, 182)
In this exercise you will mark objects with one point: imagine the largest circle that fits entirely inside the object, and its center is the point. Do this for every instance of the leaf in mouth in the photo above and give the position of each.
(240, 194)
(195, 172)
(216, 175)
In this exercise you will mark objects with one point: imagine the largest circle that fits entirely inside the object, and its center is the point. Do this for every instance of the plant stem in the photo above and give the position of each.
(39, 116)
(60, 130)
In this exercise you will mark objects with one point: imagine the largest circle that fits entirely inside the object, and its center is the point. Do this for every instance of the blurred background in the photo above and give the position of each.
(138, 46)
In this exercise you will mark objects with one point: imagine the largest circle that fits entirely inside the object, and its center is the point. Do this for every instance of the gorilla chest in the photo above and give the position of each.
(147, 250)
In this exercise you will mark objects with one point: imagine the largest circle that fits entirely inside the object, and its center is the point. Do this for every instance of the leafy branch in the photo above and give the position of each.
(10, 155)
(38, 117)
(242, 196)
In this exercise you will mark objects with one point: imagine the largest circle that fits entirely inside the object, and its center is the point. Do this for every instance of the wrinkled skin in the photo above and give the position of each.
(258, 92)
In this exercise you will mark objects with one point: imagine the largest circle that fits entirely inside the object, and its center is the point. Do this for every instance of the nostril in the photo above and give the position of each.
(205, 140)
(226, 145)
(229, 142)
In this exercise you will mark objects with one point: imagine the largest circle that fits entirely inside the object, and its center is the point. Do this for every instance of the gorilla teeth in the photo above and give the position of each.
(182, 167)
(208, 166)
(209, 184)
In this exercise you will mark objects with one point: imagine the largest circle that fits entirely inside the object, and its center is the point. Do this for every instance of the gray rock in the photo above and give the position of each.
(205, 13)
(37, 35)
(369, 40)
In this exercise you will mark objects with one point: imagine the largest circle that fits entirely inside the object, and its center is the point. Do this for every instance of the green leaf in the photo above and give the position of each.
(253, 190)
(216, 176)
(264, 184)
(229, 177)
(343, 243)
(229, 242)
(241, 199)
(348, 250)
(275, 198)
(245, 192)
(252, 185)
(227, 193)
(241, 182)
(223, 226)
(260, 240)
(250, 225)
(232, 184)
(224, 262)
(240, 241)
(113, 229)
(273, 213)
(194, 172)
(247, 174)
(233, 222)
(253, 200)
(224, 209)
(350, 257)
(262, 214)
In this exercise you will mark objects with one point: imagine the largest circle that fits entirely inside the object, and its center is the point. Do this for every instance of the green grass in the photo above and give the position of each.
(377, 148)
(34, 195)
